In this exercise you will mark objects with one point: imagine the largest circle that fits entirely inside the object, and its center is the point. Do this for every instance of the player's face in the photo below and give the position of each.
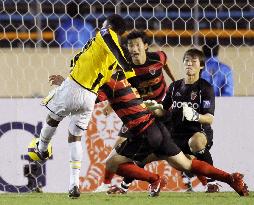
(137, 49)
(191, 65)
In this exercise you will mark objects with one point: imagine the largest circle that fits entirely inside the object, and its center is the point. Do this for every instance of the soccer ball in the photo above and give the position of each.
(31, 147)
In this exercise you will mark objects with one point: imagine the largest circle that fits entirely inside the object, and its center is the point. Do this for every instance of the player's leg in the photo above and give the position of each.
(182, 163)
(200, 144)
(56, 104)
(78, 125)
(178, 160)
(75, 153)
(47, 131)
(139, 148)
(126, 182)
(181, 141)
(124, 167)
(108, 176)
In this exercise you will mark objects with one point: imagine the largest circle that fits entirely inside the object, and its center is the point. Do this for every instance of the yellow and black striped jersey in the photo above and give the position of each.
(95, 64)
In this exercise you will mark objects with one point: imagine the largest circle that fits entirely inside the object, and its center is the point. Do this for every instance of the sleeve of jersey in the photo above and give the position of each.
(208, 100)
(167, 102)
(115, 48)
(163, 57)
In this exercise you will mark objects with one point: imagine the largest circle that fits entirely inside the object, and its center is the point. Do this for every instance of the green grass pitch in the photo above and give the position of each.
(137, 198)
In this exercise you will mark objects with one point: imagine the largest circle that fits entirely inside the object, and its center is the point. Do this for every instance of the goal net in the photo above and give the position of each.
(38, 38)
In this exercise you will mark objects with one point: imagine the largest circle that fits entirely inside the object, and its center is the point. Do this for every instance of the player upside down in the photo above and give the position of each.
(151, 137)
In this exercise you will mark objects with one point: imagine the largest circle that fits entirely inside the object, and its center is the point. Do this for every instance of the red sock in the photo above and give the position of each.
(108, 177)
(202, 168)
(131, 170)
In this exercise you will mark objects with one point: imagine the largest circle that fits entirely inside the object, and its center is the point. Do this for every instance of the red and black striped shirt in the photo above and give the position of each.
(126, 102)
(149, 79)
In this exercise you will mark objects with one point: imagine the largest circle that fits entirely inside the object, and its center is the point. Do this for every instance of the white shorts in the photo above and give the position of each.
(71, 99)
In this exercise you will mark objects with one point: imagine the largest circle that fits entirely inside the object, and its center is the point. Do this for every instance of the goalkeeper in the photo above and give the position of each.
(191, 102)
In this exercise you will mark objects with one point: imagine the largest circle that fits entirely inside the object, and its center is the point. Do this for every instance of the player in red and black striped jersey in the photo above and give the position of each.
(126, 102)
(148, 67)
(149, 79)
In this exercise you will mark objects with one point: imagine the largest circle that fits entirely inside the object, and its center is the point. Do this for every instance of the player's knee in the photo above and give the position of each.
(180, 162)
(197, 142)
(52, 122)
(76, 130)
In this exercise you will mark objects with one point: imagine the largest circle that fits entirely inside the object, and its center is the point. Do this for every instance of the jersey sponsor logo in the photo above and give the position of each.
(206, 104)
(179, 104)
(193, 95)
(124, 129)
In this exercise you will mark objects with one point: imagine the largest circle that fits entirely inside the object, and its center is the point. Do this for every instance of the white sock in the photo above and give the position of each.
(75, 149)
(46, 134)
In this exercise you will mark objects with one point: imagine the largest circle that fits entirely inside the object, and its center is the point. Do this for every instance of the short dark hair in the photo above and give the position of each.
(137, 34)
(211, 48)
(117, 23)
(193, 52)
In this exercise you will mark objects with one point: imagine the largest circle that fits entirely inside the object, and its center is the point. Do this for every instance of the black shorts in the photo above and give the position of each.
(155, 139)
(182, 140)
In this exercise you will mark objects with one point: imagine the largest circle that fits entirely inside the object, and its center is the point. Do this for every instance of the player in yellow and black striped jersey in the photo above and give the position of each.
(94, 66)
(76, 96)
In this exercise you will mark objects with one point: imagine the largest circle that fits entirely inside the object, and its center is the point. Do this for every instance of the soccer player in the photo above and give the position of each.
(149, 79)
(76, 96)
(146, 136)
(193, 136)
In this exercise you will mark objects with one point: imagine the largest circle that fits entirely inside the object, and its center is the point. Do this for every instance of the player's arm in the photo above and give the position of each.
(169, 72)
(206, 118)
(166, 67)
(116, 50)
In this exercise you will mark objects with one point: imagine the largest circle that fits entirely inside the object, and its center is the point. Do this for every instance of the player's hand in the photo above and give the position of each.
(149, 103)
(56, 79)
(189, 113)
(153, 105)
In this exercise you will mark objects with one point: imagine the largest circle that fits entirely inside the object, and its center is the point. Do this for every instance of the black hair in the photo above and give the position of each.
(117, 23)
(193, 52)
(211, 48)
(137, 34)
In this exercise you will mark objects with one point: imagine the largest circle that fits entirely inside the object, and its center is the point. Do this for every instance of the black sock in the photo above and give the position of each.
(128, 180)
(204, 155)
